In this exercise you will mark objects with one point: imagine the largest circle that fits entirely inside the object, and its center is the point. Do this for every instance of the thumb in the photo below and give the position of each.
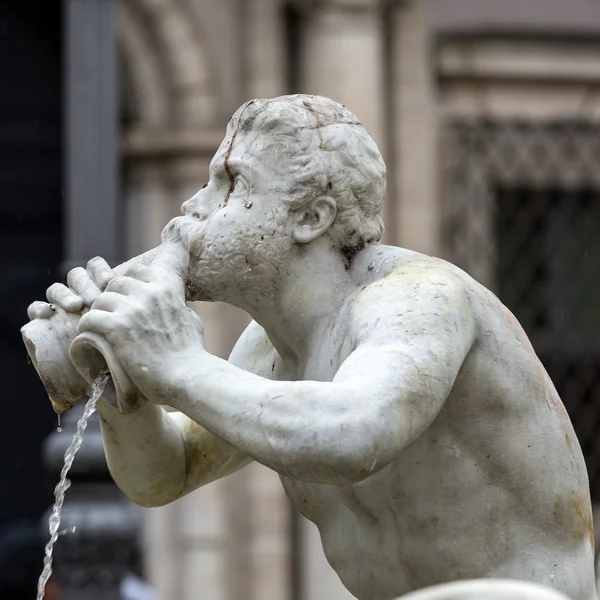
(172, 261)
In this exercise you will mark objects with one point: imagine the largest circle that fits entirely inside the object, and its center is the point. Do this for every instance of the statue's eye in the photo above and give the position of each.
(240, 183)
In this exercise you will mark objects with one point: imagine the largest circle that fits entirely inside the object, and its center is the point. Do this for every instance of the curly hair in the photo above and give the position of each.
(321, 148)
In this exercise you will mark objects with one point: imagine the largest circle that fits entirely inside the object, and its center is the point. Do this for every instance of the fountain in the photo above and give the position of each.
(49, 341)
(64, 484)
(68, 364)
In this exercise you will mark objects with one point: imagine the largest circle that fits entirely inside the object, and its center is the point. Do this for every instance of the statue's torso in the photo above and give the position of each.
(496, 486)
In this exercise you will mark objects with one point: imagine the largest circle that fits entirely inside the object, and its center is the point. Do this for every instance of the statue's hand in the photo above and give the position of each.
(82, 289)
(145, 319)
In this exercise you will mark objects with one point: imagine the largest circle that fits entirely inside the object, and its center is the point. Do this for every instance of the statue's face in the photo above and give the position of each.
(236, 227)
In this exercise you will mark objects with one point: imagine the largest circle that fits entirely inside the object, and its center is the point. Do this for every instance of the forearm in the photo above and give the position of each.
(313, 431)
(145, 453)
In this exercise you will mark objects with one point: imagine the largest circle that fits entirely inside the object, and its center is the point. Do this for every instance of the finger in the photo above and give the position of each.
(98, 321)
(40, 310)
(62, 296)
(110, 302)
(171, 260)
(100, 272)
(79, 280)
(125, 285)
(144, 274)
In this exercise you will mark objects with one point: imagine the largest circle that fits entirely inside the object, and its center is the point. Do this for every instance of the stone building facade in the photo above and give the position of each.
(410, 70)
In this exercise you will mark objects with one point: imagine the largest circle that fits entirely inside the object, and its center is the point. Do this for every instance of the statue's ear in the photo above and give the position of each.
(314, 219)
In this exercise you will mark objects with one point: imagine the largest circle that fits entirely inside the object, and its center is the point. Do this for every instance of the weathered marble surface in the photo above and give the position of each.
(401, 403)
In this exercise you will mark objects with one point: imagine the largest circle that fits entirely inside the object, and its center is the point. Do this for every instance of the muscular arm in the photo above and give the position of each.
(156, 457)
(412, 330)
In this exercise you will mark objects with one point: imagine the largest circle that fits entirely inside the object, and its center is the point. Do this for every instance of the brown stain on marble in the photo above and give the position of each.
(228, 155)
(555, 401)
(550, 394)
(560, 407)
(312, 110)
(552, 398)
(516, 327)
(569, 443)
(198, 446)
(573, 515)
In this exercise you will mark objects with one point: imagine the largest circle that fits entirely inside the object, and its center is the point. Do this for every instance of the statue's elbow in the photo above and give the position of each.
(148, 497)
(357, 471)
(358, 457)
(147, 501)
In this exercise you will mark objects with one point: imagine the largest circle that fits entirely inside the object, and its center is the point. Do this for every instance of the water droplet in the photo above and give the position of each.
(59, 429)
(248, 204)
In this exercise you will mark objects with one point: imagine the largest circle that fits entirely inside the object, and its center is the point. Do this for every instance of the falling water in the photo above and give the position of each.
(64, 483)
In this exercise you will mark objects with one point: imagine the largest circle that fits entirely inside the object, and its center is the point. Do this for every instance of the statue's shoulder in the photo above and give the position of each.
(425, 288)
(388, 265)
(416, 278)
(253, 351)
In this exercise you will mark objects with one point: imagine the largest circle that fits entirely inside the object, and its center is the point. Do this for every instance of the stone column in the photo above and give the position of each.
(415, 132)
(91, 131)
(342, 56)
(265, 50)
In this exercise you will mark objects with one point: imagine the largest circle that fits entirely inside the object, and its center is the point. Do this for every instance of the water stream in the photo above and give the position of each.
(64, 483)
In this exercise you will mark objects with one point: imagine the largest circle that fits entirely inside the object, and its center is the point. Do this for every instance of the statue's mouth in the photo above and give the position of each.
(183, 230)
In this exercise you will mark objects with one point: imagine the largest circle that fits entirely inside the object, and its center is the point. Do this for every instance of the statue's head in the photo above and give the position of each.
(290, 170)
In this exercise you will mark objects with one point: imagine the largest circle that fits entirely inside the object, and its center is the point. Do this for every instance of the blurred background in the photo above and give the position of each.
(488, 116)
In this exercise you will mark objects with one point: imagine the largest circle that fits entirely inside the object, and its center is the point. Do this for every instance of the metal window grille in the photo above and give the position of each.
(523, 218)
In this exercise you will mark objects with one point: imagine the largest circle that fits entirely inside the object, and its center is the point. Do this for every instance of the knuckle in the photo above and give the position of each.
(131, 271)
(154, 290)
(33, 310)
(95, 262)
(114, 284)
(76, 274)
(54, 291)
(99, 302)
(76, 271)
(83, 323)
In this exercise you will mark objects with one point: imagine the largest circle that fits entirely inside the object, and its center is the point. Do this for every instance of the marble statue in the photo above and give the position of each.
(401, 403)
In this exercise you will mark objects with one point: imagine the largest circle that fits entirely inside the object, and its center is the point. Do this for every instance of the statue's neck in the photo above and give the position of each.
(305, 301)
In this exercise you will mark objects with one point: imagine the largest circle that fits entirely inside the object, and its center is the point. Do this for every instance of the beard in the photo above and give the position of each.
(242, 266)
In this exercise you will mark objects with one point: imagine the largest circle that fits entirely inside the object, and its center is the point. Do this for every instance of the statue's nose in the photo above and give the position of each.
(193, 208)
